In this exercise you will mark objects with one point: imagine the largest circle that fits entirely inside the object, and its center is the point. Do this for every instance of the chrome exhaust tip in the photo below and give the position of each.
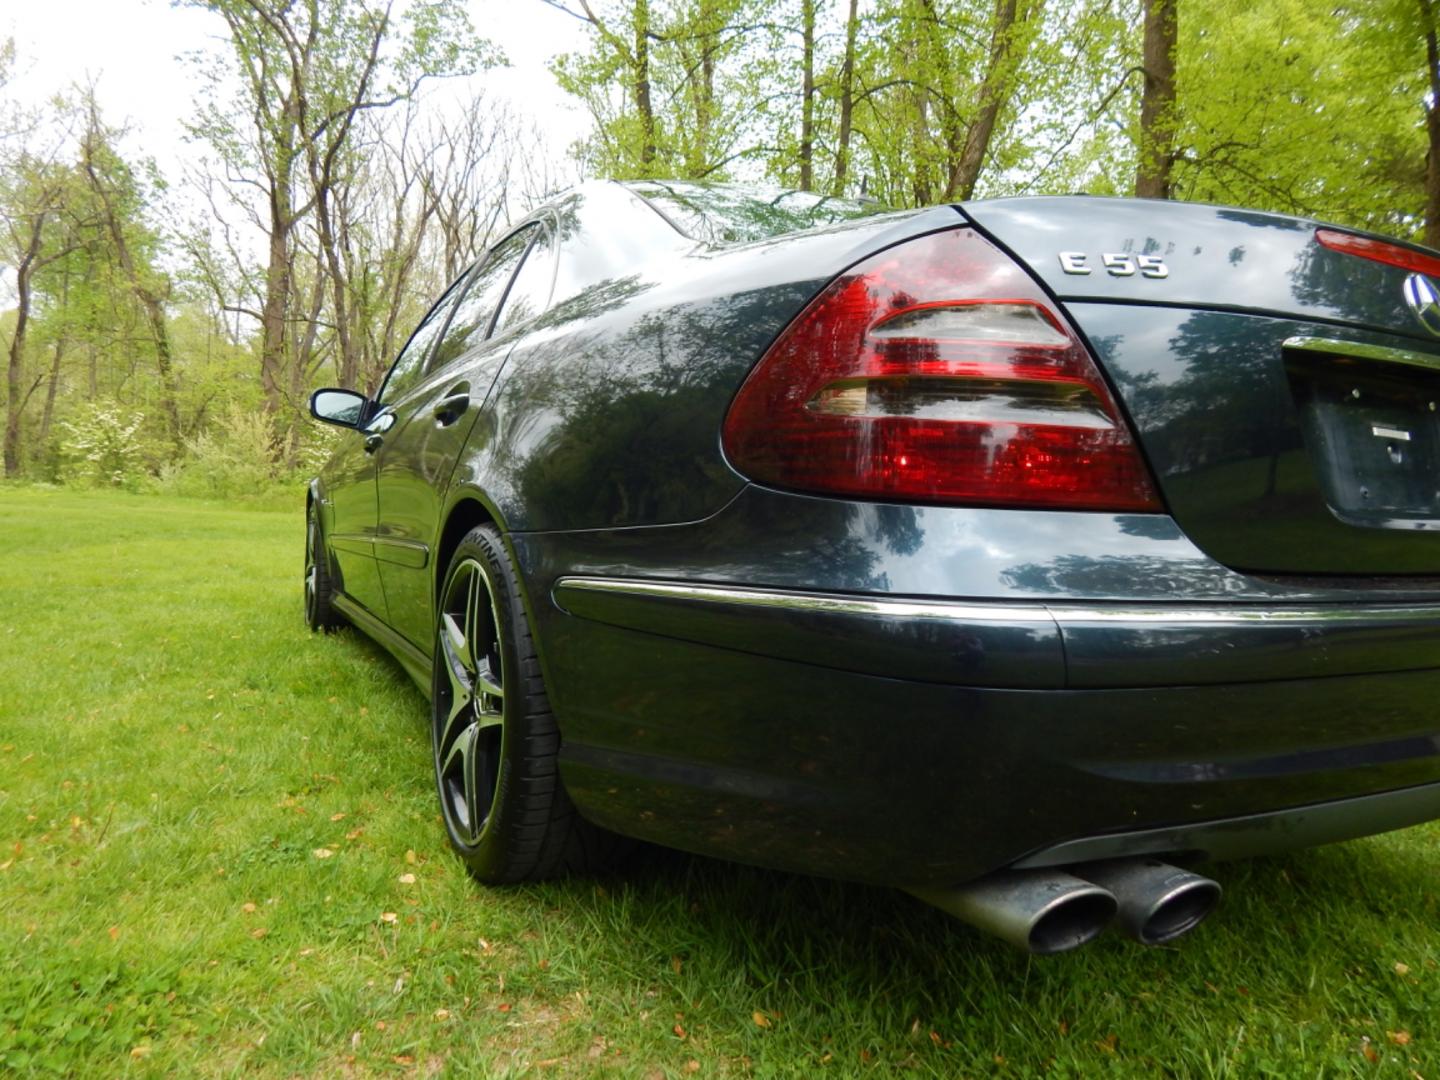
(1042, 911)
(1157, 902)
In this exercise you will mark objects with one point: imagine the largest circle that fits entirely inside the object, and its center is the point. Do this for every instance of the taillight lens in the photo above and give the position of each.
(936, 371)
(1379, 251)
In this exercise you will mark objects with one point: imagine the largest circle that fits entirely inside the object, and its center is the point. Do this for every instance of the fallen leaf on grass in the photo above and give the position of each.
(1399, 1038)
(504, 1006)
(248, 907)
(679, 1031)
(692, 1066)
(1401, 969)
(388, 916)
(1107, 1044)
(442, 1014)
(761, 1020)
(139, 1052)
(337, 817)
(114, 932)
(259, 932)
(407, 879)
(411, 857)
(322, 853)
(1369, 1051)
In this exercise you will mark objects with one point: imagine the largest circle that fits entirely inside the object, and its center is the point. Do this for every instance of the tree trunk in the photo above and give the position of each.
(807, 95)
(52, 385)
(1432, 128)
(847, 101)
(150, 300)
(274, 312)
(15, 399)
(1157, 104)
(994, 95)
(642, 85)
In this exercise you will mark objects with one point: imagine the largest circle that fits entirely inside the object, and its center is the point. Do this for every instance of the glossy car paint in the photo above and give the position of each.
(1199, 359)
(921, 694)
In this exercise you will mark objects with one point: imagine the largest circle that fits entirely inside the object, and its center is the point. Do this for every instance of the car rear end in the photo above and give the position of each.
(1075, 529)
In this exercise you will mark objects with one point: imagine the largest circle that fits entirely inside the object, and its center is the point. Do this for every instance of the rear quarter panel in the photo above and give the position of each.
(608, 412)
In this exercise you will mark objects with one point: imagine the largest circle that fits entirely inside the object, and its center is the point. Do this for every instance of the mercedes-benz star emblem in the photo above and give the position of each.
(1424, 299)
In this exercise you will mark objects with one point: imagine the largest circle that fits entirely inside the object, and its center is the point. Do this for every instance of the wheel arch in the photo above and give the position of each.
(465, 512)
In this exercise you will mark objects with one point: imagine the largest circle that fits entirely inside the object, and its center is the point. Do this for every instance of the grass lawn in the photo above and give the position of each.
(219, 855)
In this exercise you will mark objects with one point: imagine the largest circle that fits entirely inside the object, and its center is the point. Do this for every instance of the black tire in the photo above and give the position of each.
(494, 738)
(320, 613)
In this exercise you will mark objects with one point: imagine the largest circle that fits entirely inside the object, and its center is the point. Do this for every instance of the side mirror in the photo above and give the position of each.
(345, 408)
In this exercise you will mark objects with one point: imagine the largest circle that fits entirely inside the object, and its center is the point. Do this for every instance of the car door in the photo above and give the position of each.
(351, 481)
(432, 423)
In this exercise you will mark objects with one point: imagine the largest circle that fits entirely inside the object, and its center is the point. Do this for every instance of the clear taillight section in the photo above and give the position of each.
(936, 371)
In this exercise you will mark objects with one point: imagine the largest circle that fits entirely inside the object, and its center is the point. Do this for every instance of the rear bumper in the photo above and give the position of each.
(926, 742)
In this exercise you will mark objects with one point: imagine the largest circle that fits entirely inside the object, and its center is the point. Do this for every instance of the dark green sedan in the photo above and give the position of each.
(1021, 554)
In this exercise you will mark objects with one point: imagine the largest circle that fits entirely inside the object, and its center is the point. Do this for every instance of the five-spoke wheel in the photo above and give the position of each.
(469, 712)
(496, 745)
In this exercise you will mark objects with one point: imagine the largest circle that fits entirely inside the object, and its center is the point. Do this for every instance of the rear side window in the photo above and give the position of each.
(529, 294)
(471, 324)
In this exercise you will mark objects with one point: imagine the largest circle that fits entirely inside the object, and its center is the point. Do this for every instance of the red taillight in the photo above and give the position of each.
(1379, 251)
(936, 371)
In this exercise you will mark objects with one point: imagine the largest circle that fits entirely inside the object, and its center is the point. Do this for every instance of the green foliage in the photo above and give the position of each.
(1304, 108)
(1285, 105)
(236, 458)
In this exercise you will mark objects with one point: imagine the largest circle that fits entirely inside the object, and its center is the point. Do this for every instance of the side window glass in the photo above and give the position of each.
(407, 367)
(529, 294)
(472, 317)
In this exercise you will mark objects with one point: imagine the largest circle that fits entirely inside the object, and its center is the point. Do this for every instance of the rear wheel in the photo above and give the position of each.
(495, 740)
(320, 613)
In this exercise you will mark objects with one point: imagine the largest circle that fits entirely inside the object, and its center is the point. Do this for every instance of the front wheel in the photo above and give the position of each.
(495, 741)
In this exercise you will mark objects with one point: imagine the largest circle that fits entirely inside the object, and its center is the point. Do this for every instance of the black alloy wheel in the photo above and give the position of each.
(320, 613)
(496, 745)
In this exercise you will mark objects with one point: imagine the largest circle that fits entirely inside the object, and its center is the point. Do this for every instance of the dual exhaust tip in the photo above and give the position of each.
(1051, 911)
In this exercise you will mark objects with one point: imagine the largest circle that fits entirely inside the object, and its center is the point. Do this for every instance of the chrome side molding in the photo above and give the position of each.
(982, 611)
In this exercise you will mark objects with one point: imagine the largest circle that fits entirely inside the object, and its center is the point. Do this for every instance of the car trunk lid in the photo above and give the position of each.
(1286, 394)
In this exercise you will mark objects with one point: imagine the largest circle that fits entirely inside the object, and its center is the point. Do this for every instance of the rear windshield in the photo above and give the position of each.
(732, 214)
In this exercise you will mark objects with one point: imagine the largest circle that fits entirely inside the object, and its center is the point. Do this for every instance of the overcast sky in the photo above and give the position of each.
(130, 47)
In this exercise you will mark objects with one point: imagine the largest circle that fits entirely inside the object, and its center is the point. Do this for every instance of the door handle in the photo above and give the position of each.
(373, 442)
(450, 408)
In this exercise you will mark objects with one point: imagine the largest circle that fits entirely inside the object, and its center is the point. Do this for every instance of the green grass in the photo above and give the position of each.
(175, 750)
